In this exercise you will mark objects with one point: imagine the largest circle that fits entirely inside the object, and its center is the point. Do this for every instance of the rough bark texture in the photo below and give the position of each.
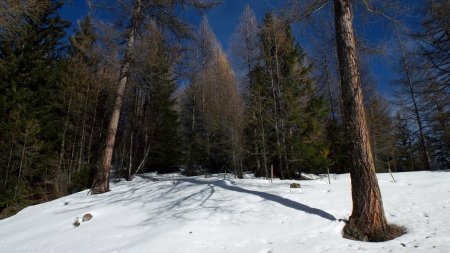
(367, 222)
(103, 184)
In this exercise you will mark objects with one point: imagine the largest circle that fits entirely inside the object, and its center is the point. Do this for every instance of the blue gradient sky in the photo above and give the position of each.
(224, 18)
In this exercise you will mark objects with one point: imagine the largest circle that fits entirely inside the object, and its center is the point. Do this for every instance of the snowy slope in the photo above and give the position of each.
(151, 214)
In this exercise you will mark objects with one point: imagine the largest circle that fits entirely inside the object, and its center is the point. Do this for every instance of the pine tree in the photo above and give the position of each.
(156, 114)
(81, 87)
(291, 114)
(29, 114)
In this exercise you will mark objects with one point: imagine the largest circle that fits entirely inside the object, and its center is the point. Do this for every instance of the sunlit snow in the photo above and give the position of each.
(155, 213)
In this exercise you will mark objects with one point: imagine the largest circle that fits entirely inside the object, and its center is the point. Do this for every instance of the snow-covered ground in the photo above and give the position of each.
(153, 214)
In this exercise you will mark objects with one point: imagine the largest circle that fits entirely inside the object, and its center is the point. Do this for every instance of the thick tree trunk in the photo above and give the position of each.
(103, 185)
(367, 221)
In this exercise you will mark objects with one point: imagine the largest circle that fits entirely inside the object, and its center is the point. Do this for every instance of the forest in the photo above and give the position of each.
(135, 86)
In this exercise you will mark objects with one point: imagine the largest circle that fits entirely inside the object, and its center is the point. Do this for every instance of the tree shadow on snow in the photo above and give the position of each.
(267, 196)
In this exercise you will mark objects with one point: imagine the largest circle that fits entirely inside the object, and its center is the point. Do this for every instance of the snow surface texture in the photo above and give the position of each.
(154, 214)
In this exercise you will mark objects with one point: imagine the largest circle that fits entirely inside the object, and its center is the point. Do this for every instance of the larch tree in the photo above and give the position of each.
(411, 94)
(245, 48)
(245, 52)
(434, 42)
(163, 13)
(103, 183)
(213, 108)
(367, 221)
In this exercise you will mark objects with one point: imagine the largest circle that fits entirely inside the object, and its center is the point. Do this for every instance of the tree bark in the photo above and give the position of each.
(367, 222)
(103, 185)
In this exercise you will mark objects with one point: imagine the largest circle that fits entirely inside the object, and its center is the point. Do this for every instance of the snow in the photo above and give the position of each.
(196, 214)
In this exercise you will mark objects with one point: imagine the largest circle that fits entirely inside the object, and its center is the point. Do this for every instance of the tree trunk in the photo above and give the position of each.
(103, 185)
(92, 127)
(22, 162)
(367, 222)
(83, 128)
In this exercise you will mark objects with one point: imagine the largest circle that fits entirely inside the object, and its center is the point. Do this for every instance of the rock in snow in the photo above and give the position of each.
(87, 217)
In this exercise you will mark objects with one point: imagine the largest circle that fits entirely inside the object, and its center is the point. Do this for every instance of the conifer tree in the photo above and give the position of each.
(291, 114)
(29, 108)
(154, 123)
(81, 87)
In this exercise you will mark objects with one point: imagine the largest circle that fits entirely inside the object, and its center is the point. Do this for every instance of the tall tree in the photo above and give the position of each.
(245, 48)
(163, 13)
(29, 107)
(410, 89)
(82, 130)
(103, 184)
(245, 51)
(367, 221)
(434, 41)
(213, 127)
(152, 127)
(284, 112)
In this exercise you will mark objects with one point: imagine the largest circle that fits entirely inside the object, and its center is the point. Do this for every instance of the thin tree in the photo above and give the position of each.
(408, 83)
(103, 184)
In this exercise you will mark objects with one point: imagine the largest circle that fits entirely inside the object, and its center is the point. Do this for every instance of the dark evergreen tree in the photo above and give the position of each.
(81, 130)
(30, 113)
(160, 118)
(283, 107)
(405, 155)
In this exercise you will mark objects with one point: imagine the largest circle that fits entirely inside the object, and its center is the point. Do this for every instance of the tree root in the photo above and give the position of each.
(353, 232)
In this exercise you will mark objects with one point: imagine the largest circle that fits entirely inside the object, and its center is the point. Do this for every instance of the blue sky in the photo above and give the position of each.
(224, 18)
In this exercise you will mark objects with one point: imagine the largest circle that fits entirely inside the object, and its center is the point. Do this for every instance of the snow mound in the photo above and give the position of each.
(155, 213)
